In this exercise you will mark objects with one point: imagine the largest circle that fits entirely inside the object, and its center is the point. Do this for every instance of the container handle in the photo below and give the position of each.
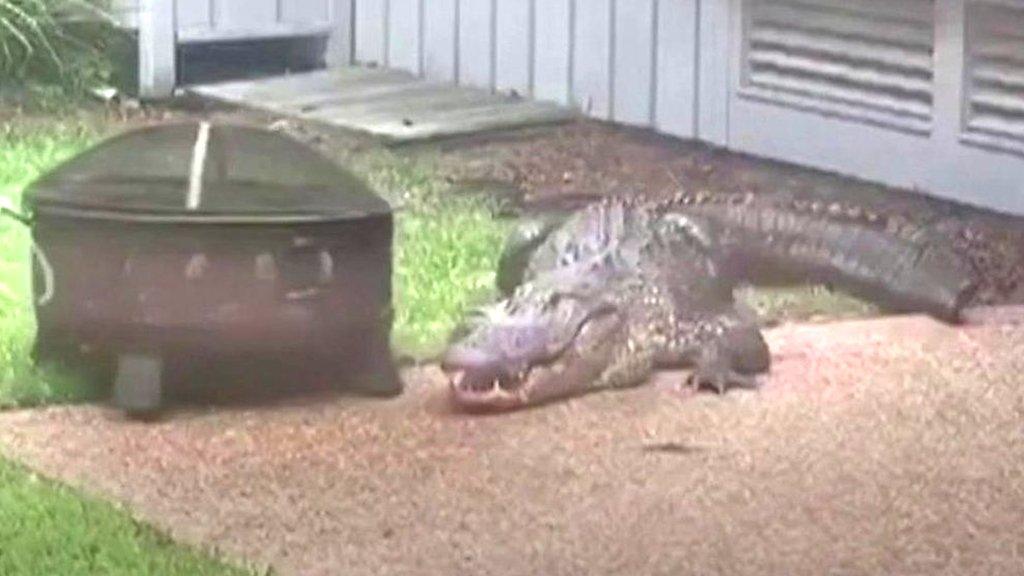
(47, 270)
(7, 209)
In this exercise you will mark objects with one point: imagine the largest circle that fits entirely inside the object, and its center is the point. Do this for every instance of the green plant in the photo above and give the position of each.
(24, 153)
(54, 43)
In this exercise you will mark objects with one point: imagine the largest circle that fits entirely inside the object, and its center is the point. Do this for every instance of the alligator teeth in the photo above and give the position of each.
(496, 386)
(457, 379)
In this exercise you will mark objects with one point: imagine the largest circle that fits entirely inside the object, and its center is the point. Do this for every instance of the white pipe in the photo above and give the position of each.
(195, 182)
(49, 285)
(7, 207)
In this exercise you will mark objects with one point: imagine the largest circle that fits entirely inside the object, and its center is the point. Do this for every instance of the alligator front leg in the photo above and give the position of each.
(732, 359)
(628, 370)
(714, 368)
(723, 351)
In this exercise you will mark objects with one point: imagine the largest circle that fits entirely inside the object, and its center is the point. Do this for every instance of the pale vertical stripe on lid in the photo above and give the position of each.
(195, 181)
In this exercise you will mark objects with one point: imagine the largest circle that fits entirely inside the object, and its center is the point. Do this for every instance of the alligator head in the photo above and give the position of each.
(551, 338)
(596, 302)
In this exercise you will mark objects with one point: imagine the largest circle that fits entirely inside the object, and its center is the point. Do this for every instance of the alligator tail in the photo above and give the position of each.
(882, 259)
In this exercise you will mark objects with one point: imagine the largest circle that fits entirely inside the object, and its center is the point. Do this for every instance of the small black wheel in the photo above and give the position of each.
(138, 386)
(379, 381)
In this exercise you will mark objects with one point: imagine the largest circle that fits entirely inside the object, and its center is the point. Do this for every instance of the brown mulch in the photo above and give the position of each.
(567, 165)
(866, 452)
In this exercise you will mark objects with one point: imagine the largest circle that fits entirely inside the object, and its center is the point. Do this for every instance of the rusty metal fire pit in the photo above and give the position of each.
(191, 243)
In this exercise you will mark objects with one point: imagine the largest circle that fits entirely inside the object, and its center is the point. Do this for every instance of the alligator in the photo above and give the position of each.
(601, 298)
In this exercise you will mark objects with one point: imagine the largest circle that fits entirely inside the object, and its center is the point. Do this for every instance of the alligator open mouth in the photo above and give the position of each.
(511, 365)
(488, 390)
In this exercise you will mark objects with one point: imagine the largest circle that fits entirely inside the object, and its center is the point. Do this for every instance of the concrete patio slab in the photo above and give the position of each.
(884, 446)
(394, 105)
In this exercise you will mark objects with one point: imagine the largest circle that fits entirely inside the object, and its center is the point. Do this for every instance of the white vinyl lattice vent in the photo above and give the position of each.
(995, 69)
(867, 59)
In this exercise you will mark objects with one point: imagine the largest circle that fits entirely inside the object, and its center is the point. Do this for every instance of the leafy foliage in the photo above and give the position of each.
(55, 43)
(24, 154)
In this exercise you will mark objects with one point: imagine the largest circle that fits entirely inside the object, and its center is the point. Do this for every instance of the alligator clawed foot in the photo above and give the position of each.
(720, 380)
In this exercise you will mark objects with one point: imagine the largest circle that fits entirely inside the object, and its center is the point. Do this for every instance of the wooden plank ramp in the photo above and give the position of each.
(394, 105)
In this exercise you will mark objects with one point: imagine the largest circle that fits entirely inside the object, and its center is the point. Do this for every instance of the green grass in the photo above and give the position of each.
(25, 151)
(46, 528)
(804, 304)
(446, 252)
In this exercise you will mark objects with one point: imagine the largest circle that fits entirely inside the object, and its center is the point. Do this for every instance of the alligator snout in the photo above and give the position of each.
(482, 381)
(490, 366)
(517, 351)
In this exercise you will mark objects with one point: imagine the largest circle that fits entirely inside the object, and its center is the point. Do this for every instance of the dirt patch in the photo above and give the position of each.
(865, 453)
(552, 168)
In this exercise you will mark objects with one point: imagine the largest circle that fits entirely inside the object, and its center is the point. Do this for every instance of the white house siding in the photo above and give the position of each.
(163, 25)
(477, 42)
(197, 21)
(630, 61)
(925, 94)
(921, 94)
(514, 45)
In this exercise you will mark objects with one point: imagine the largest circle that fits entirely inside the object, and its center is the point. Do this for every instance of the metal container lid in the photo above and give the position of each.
(203, 172)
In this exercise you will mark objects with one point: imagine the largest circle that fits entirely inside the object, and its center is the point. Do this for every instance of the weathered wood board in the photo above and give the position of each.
(391, 104)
